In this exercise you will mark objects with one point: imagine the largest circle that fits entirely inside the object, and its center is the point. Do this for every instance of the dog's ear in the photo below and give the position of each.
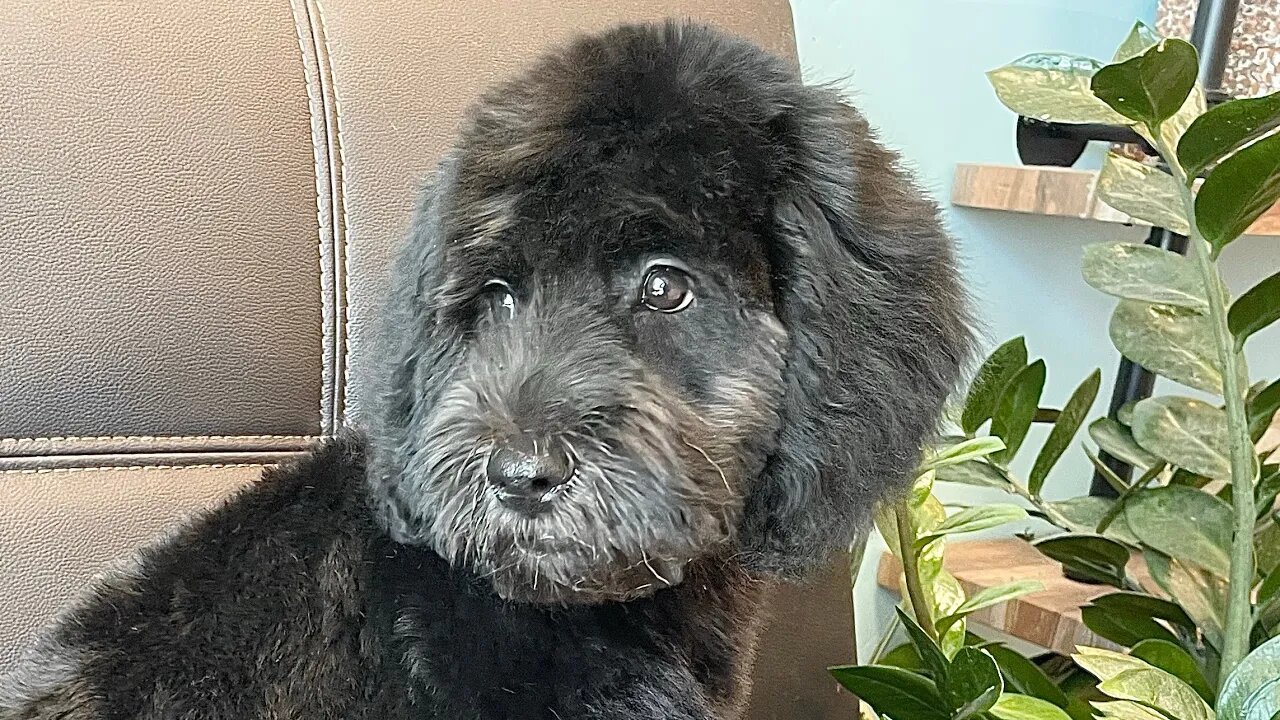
(415, 348)
(866, 286)
(410, 336)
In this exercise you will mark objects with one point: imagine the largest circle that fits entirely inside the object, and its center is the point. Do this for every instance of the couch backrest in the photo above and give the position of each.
(198, 202)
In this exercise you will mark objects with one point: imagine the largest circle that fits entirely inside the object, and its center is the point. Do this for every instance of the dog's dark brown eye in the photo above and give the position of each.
(501, 299)
(666, 289)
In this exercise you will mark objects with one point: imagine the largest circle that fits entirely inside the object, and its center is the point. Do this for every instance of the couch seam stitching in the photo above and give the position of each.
(318, 125)
(61, 438)
(134, 468)
(339, 238)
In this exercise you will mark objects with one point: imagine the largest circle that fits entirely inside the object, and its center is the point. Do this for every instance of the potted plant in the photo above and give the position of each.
(1200, 626)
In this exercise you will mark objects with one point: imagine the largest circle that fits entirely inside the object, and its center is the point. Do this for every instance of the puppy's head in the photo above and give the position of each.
(661, 301)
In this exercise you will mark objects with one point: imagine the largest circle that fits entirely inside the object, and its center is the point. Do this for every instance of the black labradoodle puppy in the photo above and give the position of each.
(668, 323)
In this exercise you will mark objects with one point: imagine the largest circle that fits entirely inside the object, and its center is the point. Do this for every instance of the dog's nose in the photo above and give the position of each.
(524, 469)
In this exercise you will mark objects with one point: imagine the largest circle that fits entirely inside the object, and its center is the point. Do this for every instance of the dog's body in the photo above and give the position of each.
(669, 322)
(289, 602)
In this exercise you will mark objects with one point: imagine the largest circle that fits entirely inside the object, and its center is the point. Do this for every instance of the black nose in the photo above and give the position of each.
(524, 469)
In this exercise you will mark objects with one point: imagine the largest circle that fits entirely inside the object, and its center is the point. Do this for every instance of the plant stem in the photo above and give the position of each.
(1239, 604)
(1118, 507)
(1055, 517)
(1240, 584)
(911, 569)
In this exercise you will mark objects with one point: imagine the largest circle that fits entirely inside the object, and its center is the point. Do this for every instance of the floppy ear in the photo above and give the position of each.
(416, 349)
(866, 285)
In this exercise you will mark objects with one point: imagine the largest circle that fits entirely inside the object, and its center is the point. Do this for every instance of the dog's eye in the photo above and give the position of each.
(666, 289)
(501, 299)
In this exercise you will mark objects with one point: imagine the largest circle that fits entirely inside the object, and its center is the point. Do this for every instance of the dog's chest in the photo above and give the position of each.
(467, 654)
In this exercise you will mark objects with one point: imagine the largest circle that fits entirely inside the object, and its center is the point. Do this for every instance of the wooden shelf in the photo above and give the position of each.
(1060, 192)
(1048, 619)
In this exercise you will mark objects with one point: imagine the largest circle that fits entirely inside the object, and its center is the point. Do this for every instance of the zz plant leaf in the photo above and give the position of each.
(1012, 706)
(1140, 39)
(1106, 664)
(1157, 688)
(973, 683)
(989, 597)
(1267, 489)
(1264, 703)
(1064, 430)
(1189, 433)
(1092, 557)
(893, 691)
(1238, 191)
(1171, 130)
(1258, 668)
(963, 452)
(1117, 440)
(1148, 605)
(1123, 628)
(1049, 86)
(1126, 710)
(1200, 593)
(1146, 273)
(1086, 513)
(930, 654)
(1142, 191)
(1016, 410)
(1257, 308)
(1024, 677)
(994, 374)
(1262, 408)
(1184, 523)
(1227, 128)
(1171, 342)
(973, 519)
(1171, 658)
(1151, 87)
(978, 473)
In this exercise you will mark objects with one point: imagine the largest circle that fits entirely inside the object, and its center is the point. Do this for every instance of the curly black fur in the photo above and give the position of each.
(742, 438)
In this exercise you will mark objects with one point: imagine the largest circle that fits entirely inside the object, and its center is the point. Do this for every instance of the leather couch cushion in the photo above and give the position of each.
(158, 222)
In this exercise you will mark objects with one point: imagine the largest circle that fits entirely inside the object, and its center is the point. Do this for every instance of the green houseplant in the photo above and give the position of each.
(943, 671)
(1201, 634)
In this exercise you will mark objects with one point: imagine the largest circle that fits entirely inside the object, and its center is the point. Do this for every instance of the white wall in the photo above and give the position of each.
(916, 68)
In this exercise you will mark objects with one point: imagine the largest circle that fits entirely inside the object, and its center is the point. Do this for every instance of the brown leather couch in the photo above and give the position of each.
(197, 205)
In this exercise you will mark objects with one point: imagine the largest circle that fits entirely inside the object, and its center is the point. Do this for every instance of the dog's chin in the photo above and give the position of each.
(546, 561)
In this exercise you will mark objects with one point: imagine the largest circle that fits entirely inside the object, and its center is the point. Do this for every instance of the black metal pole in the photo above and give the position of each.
(1214, 25)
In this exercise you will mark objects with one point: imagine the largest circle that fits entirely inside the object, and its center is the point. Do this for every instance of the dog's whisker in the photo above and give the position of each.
(467, 461)
(574, 455)
(652, 570)
(714, 464)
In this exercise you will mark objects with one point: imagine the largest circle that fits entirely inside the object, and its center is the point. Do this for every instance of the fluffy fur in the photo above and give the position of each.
(739, 439)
